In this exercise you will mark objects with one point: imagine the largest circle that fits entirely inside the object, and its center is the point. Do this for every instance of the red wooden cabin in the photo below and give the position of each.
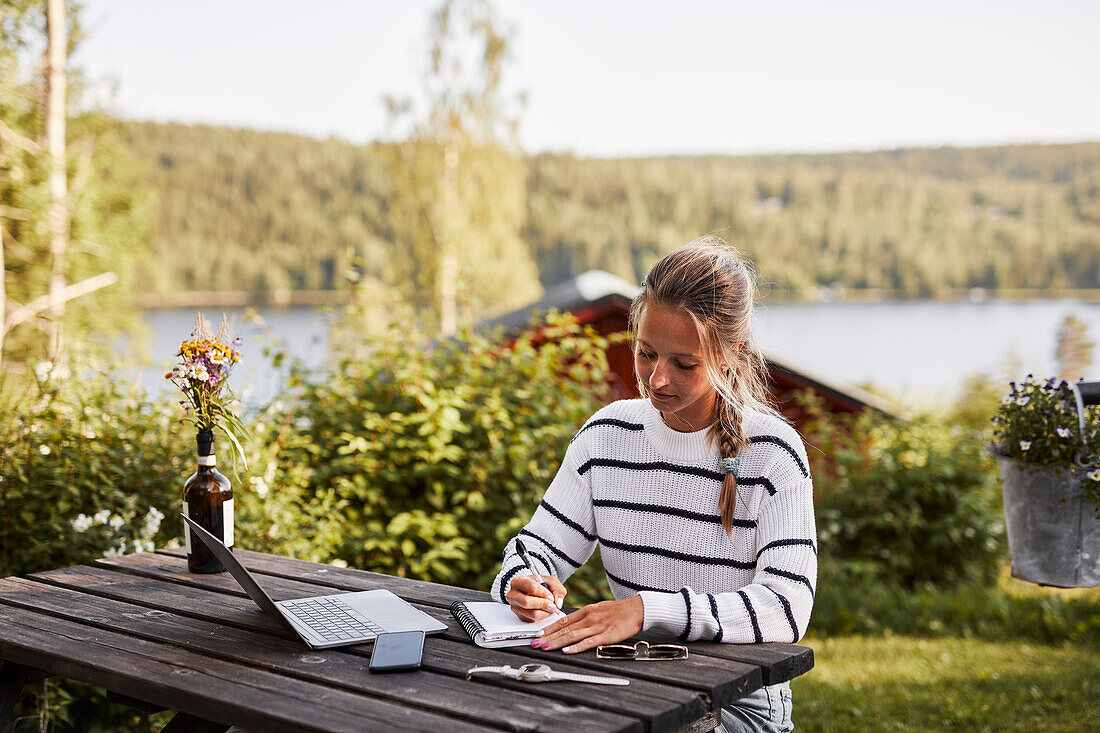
(602, 300)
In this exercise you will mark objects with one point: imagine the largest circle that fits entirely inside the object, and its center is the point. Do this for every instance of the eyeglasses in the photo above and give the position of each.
(642, 651)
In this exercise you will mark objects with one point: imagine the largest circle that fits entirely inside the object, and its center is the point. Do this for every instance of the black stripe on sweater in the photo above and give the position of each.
(785, 446)
(552, 549)
(609, 421)
(787, 610)
(792, 576)
(633, 586)
(752, 617)
(786, 543)
(714, 610)
(567, 521)
(673, 554)
(670, 511)
(757, 481)
(687, 602)
(550, 570)
(649, 466)
(506, 580)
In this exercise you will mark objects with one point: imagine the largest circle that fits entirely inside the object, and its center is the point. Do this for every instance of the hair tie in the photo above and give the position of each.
(729, 465)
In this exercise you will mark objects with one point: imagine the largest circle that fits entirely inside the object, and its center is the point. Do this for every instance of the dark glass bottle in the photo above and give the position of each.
(208, 500)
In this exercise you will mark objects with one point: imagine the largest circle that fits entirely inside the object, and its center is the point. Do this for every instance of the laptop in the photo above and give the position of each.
(326, 621)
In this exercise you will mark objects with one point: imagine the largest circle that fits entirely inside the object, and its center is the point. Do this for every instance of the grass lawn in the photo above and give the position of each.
(898, 683)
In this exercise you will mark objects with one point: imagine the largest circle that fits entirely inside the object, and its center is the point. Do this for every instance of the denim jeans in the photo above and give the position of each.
(768, 710)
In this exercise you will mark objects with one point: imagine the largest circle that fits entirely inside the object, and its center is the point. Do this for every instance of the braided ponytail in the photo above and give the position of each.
(730, 438)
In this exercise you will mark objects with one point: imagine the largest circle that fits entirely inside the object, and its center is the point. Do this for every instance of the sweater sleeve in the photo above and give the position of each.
(561, 535)
(776, 605)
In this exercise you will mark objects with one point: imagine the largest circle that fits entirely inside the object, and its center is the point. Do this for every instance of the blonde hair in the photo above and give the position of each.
(715, 285)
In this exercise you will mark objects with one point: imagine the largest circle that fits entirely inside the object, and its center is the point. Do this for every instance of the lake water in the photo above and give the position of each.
(917, 351)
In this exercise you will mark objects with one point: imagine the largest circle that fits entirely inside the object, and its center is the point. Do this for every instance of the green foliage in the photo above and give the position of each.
(905, 503)
(257, 211)
(903, 684)
(1037, 424)
(86, 469)
(67, 706)
(1074, 350)
(458, 181)
(433, 453)
(852, 598)
(974, 411)
(111, 212)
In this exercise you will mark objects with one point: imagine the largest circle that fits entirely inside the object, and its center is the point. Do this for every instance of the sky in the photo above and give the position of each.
(619, 78)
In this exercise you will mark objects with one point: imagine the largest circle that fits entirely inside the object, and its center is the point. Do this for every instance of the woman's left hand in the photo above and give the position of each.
(606, 622)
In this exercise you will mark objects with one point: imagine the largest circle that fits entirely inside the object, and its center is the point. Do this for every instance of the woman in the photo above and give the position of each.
(699, 494)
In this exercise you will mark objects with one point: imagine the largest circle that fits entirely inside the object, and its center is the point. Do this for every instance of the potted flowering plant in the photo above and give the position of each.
(1046, 438)
(205, 365)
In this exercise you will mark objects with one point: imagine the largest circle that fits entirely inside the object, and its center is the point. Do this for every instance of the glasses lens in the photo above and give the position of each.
(616, 651)
(667, 651)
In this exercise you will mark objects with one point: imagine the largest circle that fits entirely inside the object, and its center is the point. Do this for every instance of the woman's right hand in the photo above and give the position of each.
(532, 602)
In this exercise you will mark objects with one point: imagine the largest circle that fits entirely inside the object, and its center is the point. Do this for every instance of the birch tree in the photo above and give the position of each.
(74, 216)
(58, 215)
(459, 178)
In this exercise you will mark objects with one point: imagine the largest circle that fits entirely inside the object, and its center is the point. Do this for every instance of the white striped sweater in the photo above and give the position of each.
(649, 496)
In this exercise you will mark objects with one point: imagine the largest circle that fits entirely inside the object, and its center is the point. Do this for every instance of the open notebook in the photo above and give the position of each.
(492, 624)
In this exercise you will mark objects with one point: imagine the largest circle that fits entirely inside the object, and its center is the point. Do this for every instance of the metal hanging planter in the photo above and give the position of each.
(1053, 531)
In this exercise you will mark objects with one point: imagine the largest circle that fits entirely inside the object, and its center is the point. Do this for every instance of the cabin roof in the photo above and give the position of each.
(596, 292)
(588, 290)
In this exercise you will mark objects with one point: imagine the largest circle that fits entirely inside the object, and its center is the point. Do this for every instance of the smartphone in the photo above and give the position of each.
(397, 651)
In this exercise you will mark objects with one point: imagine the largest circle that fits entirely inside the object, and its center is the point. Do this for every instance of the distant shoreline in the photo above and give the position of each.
(240, 299)
(288, 298)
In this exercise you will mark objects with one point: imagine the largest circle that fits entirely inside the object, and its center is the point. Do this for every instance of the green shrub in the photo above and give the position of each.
(907, 503)
(852, 598)
(86, 469)
(421, 459)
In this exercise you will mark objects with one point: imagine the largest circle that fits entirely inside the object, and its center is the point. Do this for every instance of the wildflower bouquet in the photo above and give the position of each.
(1037, 424)
(205, 364)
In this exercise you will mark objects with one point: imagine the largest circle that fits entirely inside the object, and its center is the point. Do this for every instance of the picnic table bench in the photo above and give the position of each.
(145, 628)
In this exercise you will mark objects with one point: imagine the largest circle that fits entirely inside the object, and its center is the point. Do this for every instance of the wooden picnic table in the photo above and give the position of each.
(145, 628)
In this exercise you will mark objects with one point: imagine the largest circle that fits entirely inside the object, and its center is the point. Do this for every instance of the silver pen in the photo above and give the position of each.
(530, 566)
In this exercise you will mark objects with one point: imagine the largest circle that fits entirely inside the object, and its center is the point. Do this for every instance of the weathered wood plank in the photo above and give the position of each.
(230, 611)
(720, 681)
(166, 567)
(441, 693)
(198, 684)
(421, 591)
(778, 662)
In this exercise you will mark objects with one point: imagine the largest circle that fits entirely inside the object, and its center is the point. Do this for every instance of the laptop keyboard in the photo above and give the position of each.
(333, 619)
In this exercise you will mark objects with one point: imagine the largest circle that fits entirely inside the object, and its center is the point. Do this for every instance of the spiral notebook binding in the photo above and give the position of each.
(466, 619)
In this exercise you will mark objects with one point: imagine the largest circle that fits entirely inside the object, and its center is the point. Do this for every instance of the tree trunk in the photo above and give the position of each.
(3, 299)
(448, 260)
(58, 215)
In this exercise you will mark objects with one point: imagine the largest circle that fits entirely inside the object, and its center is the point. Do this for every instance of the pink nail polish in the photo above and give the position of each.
(545, 645)
(535, 642)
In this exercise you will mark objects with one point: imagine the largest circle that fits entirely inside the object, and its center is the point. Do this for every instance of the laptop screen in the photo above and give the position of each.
(233, 565)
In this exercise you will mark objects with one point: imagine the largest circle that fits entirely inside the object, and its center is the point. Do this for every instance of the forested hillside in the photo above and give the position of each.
(258, 211)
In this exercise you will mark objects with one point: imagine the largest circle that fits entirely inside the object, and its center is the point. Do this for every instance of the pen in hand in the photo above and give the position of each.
(530, 566)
